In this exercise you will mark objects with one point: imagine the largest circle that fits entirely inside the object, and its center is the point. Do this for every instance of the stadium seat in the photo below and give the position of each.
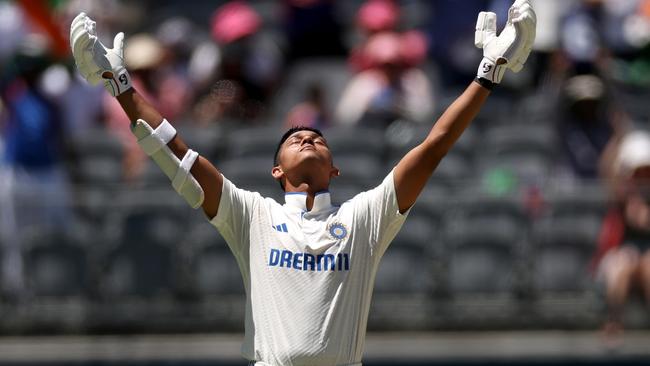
(355, 141)
(562, 252)
(254, 142)
(563, 244)
(99, 156)
(100, 170)
(56, 264)
(213, 268)
(367, 171)
(528, 151)
(332, 74)
(404, 269)
(484, 236)
(96, 141)
(249, 171)
(565, 239)
(143, 259)
(208, 141)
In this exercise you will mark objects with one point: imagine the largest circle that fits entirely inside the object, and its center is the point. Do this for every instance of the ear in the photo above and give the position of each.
(277, 172)
(334, 172)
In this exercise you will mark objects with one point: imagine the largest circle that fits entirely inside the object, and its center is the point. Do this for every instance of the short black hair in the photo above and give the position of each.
(286, 135)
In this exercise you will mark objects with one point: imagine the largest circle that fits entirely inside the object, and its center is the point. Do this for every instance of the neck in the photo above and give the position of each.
(310, 190)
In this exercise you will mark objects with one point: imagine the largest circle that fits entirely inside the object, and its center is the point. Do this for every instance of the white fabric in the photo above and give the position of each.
(511, 48)
(160, 137)
(96, 63)
(308, 275)
(176, 170)
(633, 152)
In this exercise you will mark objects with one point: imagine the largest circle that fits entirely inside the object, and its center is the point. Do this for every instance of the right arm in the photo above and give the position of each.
(210, 179)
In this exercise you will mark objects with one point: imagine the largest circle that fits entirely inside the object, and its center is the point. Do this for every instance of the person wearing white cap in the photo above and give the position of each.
(623, 256)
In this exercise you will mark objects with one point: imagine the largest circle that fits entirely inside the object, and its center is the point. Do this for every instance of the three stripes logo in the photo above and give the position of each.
(281, 228)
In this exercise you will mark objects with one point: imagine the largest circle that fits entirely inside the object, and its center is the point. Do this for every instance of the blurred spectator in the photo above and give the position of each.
(33, 184)
(249, 66)
(585, 124)
(634, 67)
(311, 112)
(548, 67)
(623, 256)
(391, 89)
(373, 17)
(312, 29)
(582, 40)
(451, 30)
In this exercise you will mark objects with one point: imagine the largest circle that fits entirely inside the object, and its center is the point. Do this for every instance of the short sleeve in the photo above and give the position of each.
(236, 208)
(377, 212)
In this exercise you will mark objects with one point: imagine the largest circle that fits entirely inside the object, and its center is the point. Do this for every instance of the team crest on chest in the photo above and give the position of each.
(338, 231)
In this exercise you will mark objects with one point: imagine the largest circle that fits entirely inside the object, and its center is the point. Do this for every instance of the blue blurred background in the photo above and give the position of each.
(508, 238)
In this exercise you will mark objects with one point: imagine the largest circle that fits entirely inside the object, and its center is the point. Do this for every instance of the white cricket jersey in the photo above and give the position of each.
(308, 275)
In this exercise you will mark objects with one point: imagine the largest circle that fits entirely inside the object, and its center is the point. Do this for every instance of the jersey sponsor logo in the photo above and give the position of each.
(281, 228)
(309, 262)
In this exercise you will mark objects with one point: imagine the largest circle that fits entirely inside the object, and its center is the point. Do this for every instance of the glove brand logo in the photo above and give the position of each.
(123, 79)
(487, 68)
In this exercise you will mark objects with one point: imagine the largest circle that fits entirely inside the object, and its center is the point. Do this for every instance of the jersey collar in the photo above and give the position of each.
(322, 200)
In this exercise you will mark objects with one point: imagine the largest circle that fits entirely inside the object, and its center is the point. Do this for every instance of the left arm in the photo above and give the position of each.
(507, 51)
(415, 168)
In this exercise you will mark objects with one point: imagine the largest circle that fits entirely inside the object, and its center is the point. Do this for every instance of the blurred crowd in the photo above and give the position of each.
(225, 63)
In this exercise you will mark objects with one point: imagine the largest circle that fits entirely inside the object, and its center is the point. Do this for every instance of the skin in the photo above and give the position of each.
(305, 161)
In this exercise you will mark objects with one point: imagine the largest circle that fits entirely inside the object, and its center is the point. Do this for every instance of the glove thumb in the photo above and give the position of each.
(118, 44)
(486, 28)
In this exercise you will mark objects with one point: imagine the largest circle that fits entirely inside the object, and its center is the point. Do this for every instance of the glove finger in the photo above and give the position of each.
(79, 16)
(76, 32)
(118, 44)
(82, 44)
(486, 28)
(76, 28)
(524, 33)
(516, 9)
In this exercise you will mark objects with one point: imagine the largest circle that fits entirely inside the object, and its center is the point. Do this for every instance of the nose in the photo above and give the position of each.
(307, 140)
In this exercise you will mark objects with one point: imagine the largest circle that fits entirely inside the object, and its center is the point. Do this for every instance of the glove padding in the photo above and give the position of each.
(95, 62)
(511, 48)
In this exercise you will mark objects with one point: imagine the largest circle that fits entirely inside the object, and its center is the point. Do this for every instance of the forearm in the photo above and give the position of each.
(136, 107)
(450, 126)
(413, 171)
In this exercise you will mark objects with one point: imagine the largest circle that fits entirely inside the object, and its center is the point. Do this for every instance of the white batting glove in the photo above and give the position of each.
(95, 62)
(511, 48)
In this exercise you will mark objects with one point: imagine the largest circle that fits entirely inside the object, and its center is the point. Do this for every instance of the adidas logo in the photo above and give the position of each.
(281, 228)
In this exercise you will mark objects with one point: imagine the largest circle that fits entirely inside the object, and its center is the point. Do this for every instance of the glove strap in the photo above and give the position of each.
(489, 70)
(119, 83)
(487, 84)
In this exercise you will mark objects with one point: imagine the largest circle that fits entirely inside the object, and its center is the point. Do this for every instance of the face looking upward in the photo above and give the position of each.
(305, 158)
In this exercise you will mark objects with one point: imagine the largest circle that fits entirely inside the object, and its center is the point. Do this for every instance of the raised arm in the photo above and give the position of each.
(507, 51)
(192, 176)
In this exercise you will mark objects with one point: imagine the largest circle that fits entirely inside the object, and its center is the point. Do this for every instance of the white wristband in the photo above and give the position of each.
(160, 137)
